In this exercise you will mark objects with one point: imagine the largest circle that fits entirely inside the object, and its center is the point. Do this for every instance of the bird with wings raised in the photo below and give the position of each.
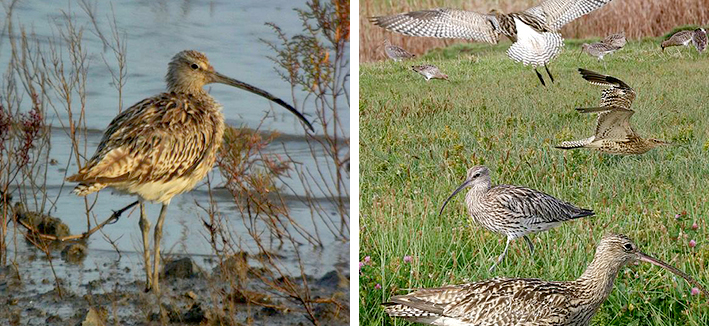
(613, 135)
(534, 32)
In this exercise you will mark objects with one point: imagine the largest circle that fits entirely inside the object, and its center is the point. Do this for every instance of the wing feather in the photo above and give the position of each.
(441, 23)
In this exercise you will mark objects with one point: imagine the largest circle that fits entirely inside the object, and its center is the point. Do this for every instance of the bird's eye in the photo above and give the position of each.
(194, 66)
(628, 247)
(476, 175)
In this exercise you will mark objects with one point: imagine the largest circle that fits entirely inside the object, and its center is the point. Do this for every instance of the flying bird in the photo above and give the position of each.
(534, 32)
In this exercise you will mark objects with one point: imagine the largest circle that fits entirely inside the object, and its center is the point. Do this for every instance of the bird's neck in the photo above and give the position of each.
(187, 88)
(597, 281)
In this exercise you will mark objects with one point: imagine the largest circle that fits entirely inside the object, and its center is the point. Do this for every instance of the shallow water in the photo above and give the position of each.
(228, 32)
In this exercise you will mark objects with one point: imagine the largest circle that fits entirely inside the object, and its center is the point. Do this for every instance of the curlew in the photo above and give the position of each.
(683, 38)
(524, 301)
(511, 210)
(699, 39)
(429, 72)
(598, 49)
(163, 145)
(613, 135)
(615, 40)
(395, 52)
(534, 32)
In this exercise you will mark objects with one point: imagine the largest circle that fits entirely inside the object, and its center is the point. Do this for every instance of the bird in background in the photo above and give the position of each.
(616, 40)
(697, 37)
(534, 32)
(598, 49)
(527, 301)
(429, 72)
(396, 52)
(163, 145)
(613, 134)
(512, 210)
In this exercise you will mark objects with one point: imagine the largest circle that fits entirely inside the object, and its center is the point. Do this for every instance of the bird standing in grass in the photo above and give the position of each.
(613, 135)
(511, 210)
(396, 52)
(163, 145)
(615, 40)
(429, 72)
(699, 39)
(534, 32)
(525, 301)
(598, 49)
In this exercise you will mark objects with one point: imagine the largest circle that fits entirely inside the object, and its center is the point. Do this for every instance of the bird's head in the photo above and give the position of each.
(189, 71)
(478, 176)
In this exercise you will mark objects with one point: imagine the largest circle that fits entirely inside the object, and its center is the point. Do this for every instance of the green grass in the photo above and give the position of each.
(418, 138)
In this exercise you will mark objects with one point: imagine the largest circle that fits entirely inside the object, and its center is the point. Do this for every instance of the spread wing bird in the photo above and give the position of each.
(534, 32)
(614, 134)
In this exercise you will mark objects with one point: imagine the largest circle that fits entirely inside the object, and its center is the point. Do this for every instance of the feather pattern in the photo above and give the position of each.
(525, 301)
(534, 31)
(613, 134)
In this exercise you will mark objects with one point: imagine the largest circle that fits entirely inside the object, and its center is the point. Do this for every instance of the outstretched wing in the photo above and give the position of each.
(613, 123)
(557, 13)
(441, 23)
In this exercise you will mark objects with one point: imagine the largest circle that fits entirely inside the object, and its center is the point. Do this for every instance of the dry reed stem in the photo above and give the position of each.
(638, 18)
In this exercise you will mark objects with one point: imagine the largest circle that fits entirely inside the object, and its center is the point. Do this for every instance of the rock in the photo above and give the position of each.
(246, 296)
(332, 280)
(44, 224)
(181, 268)
(195, 314)
(74, 253)
(94, 317)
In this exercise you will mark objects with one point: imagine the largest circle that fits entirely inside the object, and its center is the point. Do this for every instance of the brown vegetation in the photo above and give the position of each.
(638, 18)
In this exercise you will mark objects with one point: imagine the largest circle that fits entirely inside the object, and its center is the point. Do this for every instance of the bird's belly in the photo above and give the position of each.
(159, 191)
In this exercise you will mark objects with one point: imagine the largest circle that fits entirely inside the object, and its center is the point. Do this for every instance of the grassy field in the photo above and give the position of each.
(418, 138)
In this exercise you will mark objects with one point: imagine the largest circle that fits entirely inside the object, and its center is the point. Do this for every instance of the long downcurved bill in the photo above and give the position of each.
(461, 187)
(689, 279)
(219, 78)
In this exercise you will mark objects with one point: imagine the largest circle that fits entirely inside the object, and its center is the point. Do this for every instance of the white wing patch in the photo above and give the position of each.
(534, 48)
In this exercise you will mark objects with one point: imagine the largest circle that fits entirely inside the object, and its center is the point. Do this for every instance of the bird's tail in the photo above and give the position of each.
(601, 80)
(575, 143)
(84, 189)
(583, 213)
(597, 109)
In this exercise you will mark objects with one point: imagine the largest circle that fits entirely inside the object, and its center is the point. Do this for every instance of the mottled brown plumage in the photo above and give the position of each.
(615, 40)
(396, 52)
(512, 210)
(683, 38)
(534, 32)
(162, 146)
(429, 72)
(523, 301)
(613, 135)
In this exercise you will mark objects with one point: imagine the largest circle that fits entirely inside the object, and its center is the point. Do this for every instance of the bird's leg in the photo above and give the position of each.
(156, 254)
(502, 256)
(145, 228)
(549, 73)
(540, 77)
(529, 244)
